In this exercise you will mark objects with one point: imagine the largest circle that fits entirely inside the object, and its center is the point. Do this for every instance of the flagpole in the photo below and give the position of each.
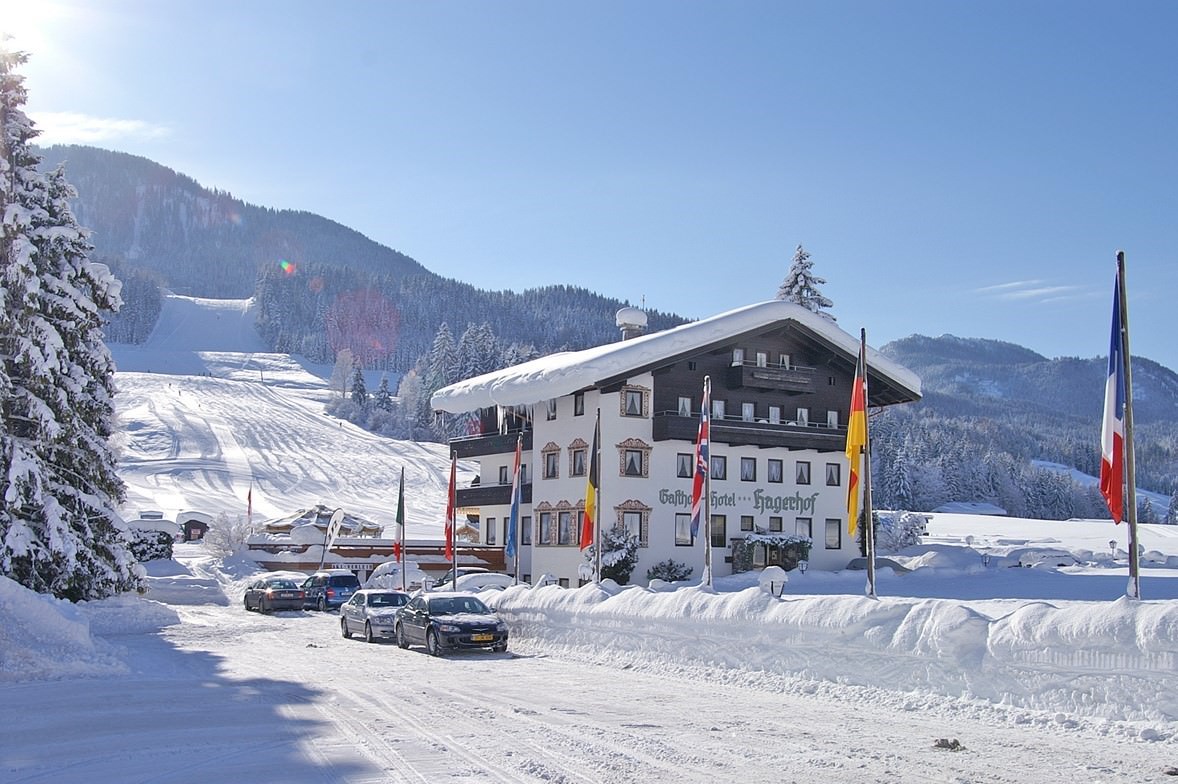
(597, 502)
(401, 537)
(869, 531)
(1134, 588)
(707, 499)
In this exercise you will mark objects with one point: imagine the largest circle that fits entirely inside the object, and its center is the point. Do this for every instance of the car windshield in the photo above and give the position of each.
(387, 599)
(460, 604)
(281, 584)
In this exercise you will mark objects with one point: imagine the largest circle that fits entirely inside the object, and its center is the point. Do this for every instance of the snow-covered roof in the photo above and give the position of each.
(563, 373)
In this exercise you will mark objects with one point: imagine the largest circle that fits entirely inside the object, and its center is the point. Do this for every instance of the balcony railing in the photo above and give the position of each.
(792, 379)
(491, 495)
(493, 444)
(670, 425)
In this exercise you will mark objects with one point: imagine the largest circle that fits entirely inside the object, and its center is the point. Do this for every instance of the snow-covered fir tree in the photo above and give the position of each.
(59, 532)
(359, 390)
(382, 400)
(801, 286)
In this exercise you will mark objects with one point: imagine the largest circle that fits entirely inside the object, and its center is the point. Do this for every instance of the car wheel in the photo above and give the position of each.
(343, 627)
(245, 600)
(368, 632)
(432, 643)
(322, 604)
(402, 642)
(500, 647)
(263, 608)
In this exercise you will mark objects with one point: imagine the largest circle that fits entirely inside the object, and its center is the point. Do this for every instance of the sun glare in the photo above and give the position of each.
(27, 25)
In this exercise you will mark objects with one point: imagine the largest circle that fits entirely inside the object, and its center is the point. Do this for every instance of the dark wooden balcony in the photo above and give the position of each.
(791, 380)
(491, 495)
(494, 444)
(669, 426)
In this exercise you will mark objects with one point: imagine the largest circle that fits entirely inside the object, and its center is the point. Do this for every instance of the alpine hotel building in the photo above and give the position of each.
(781, 380)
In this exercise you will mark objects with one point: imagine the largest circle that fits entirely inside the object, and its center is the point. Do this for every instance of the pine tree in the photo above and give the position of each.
(359, 390)
(383, 400)
(801, 285)
(59, 532)
(1172, 510)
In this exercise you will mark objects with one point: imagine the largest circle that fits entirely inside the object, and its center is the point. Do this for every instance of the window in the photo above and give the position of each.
(578, 404)
(804, 417)
(775, 415)
(719, 531)
(783, 360)
(803, 473)
(759, 555)
(633, 403)
(523, 473)
(563, 582)
(684, 465)
(634, 457)
(762, 358)
(691, 365)
(775, 470)
(565, 533)
(490, 530)
(718, 410)
(550, 409)
(832, 419)
(551, 465)
(834, 534)
(831, 382)
(632, 524)
(748, 469)
(803, 526)
(737, 356)
(503, 478)
(525, 530)
(775, 525)
(683, 530)
(506, 525)
(746, 522)
(684, 406)
(748, 412)
(719, 467)
(578, 463)
(833, 474)
(545, 532)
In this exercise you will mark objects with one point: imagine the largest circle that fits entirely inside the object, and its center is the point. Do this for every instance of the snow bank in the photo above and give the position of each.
(1112, 660)
(45, 638)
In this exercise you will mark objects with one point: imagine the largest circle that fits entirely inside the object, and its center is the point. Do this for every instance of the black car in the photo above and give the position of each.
(371, 612)
(273, 593)
(444, 621)
(330, 588)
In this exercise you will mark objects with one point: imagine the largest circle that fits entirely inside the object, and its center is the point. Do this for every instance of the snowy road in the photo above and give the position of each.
(233, 696)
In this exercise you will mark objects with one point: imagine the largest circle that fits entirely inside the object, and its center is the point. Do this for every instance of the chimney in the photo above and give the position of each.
(631, 321)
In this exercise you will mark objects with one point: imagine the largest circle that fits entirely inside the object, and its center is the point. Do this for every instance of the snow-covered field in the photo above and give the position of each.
(964, 670)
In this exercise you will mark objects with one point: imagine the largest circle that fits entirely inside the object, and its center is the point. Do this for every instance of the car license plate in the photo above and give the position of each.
(482, 637)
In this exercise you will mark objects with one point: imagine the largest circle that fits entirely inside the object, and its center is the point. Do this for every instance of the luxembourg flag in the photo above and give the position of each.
(1112, 433)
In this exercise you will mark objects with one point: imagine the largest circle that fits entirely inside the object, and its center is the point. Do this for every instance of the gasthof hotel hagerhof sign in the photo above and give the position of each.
(760, 500)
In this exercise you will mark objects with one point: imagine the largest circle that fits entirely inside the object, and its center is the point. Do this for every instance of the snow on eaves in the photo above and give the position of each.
(563, 373)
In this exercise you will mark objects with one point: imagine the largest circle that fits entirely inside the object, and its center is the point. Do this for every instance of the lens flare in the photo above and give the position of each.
(288, 267)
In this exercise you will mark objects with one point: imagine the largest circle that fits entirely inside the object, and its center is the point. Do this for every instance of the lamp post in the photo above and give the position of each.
(803, 566)
(1112, 547)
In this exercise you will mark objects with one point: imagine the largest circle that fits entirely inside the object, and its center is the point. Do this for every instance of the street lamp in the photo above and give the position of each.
(1112, 546)
(803, 566)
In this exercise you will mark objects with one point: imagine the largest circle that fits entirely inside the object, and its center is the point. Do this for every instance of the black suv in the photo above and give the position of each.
(329, 588)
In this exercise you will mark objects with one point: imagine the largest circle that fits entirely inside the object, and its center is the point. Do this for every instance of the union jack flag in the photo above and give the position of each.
(702, 464)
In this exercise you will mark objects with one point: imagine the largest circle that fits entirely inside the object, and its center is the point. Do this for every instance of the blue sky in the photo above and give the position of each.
(961, 168)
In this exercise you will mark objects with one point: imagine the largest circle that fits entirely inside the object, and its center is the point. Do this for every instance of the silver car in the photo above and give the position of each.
(371, 612)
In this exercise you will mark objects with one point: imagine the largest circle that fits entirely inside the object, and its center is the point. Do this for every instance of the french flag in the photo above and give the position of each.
(1112, 433)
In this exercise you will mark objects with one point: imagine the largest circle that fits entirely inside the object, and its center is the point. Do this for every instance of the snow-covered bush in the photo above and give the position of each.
(669, 571)
(897, 530)
(147, 545)
(228, 534)
(619, 555)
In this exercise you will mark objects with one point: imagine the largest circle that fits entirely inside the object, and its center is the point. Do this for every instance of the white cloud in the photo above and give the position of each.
(1032, 289)
(76, 128)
